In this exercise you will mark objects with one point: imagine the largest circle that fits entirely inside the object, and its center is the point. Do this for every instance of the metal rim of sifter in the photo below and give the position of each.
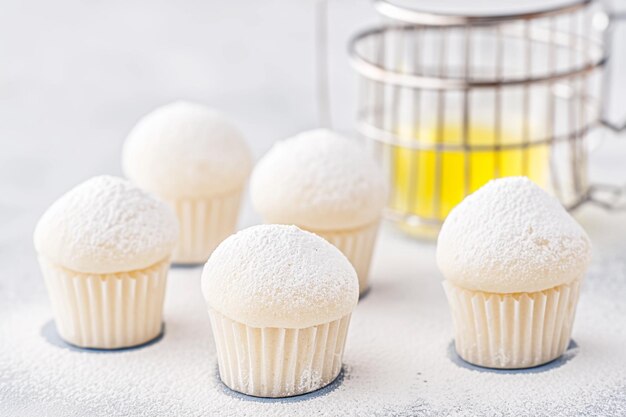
(461, 13)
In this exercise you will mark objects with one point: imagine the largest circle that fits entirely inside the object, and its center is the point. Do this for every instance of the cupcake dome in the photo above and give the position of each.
(186, 150)
(511, 236)
(106, 225)
(279, 276)
(318, 180)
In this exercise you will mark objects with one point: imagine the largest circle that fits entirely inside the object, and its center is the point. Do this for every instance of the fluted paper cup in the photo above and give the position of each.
(204, 223)
(278, 362)
(358, 246)
(509, 331)
(107, 311)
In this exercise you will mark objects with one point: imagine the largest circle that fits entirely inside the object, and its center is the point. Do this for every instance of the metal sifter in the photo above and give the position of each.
(451, 98)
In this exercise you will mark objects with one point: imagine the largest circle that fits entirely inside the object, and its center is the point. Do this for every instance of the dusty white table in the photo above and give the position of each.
(76, 76)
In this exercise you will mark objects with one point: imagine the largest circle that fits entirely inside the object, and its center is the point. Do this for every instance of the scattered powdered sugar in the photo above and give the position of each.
(319, 180)
(279, 276)
(397, 360)
(511, 236)
(106, 225)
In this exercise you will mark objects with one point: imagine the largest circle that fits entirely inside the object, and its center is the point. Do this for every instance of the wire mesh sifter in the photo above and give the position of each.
(451, 101)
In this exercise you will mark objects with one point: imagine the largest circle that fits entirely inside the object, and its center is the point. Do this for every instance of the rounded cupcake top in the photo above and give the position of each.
(279, 276)
(511, 236)
(186, 150)
(318, 180)
(106, 225)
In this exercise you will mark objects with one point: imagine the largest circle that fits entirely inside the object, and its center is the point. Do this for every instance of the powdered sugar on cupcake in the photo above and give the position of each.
(186, 149)
(279, 276)
(511, 236)
(318, 180)
(106, 225)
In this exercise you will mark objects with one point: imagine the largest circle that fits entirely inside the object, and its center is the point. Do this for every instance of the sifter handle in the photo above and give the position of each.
(608, 196)
(612, 18)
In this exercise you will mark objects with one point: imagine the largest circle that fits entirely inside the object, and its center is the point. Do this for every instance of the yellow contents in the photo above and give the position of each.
(415, 188)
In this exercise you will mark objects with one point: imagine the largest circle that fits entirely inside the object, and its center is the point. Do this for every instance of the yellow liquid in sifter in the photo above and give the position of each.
(414, 172)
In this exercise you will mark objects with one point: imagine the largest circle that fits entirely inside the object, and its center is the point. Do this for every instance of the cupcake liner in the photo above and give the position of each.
(519, 330)
(107, 311)
(204, 223)
(278, 362)
(358, 246)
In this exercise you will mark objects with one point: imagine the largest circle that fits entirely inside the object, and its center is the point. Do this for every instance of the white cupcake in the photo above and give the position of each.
(196, 160)
(514, 261)
(280, 301)
(327, 184)
(104, 249)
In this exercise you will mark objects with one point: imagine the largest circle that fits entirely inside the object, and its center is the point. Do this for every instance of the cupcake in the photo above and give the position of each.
(193, 158)
(104, 249)
(513, 261)
(326, 184)
(280, 301)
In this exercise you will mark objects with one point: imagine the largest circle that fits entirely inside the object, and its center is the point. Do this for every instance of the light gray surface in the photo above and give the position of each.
(75, 76)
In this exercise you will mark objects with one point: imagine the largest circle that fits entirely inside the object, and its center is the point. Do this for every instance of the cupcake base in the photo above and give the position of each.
(512, 331)
(204, 223)
(107, 311)
(278, 362)
(358, 246)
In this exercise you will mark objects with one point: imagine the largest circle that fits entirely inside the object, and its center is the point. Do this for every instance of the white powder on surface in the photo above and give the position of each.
(396, 361)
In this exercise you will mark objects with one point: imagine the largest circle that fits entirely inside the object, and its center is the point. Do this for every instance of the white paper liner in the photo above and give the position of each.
(204, 223)
(358, 246)
(278, 362)
(107, 311)
(519, 330)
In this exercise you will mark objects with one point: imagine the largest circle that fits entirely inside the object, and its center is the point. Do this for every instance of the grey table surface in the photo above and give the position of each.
(76, 75)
